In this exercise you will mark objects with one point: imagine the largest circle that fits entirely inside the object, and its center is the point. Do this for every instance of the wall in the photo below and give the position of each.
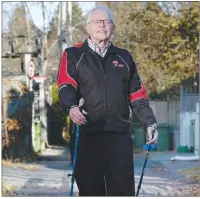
(167, 112)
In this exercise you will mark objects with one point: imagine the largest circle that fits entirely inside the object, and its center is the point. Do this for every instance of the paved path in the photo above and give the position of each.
(50, 176)
(161, 176)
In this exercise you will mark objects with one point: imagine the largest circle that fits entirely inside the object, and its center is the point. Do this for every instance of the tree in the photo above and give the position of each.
(18, 24)
(163, 43)
(53, 25)
(17, 28)
(21, 30)
(78, 33)
(77, 24)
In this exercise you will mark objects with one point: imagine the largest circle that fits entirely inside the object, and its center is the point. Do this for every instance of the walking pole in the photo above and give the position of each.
(75, 153)
(144, 166)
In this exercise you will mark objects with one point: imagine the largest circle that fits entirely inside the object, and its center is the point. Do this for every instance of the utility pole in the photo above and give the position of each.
(64, 26)
(64, 6)
(59, 17)
(28, 34)
(27, 57)
(59, 31)
(69, 24)
(42, 111)
(44, 40)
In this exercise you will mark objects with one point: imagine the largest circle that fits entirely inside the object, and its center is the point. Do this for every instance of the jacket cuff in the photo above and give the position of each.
(153, 126)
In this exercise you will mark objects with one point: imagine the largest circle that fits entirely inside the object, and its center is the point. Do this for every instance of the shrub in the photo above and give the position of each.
(16, 132)
(58, 114)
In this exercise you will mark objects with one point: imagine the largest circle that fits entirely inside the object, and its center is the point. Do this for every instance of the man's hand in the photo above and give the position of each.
(76, 116)
(152, 134)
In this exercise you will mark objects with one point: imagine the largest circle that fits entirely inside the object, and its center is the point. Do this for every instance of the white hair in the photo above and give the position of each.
(103, 8)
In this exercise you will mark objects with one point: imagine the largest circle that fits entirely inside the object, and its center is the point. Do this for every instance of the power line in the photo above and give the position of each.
(29, 14)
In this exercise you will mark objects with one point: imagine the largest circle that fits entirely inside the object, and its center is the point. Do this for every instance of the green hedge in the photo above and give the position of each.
(54, 93)
(58, 115)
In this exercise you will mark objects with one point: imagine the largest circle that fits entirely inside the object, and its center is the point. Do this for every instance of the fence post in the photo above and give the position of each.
(27, 59)
(43, 116)
(182, 138)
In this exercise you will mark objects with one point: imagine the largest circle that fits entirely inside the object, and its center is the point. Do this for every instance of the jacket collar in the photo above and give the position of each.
(95, 47)
(85, 47)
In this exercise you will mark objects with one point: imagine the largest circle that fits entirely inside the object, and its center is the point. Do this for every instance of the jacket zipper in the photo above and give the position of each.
(105, 80)
(105, 107)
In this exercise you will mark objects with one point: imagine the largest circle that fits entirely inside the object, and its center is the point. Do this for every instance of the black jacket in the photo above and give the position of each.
(108, 86)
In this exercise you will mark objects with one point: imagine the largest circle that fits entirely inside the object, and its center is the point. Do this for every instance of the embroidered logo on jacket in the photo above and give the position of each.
(116, 64)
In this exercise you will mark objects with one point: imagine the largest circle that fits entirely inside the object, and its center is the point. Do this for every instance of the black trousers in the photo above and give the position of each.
(105, 164)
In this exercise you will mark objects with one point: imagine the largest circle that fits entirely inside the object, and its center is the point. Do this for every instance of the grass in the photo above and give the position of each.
(17, 164)
(7, 189)
(195, 174)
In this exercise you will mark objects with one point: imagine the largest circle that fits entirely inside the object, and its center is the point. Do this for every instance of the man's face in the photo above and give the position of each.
(100, 27)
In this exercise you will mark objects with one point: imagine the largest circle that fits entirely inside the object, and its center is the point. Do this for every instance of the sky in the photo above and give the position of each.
(36, 11)
(86, 5)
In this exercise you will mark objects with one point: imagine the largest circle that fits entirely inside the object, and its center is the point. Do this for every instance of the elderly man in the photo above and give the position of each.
(106, 77)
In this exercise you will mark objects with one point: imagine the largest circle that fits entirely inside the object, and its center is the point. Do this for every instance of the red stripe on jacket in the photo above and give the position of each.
(63, 77)
(79, 45)
(142, 93)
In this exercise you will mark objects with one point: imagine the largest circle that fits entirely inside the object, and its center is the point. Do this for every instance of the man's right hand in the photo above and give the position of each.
(76, 116)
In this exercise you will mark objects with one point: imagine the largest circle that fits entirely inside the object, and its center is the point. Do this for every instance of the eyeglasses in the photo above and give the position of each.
(98, 21)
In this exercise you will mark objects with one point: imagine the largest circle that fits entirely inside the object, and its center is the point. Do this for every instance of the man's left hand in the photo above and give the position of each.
(152, 134)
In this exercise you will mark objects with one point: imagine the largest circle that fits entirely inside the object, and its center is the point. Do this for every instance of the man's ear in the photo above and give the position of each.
(113, 27)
